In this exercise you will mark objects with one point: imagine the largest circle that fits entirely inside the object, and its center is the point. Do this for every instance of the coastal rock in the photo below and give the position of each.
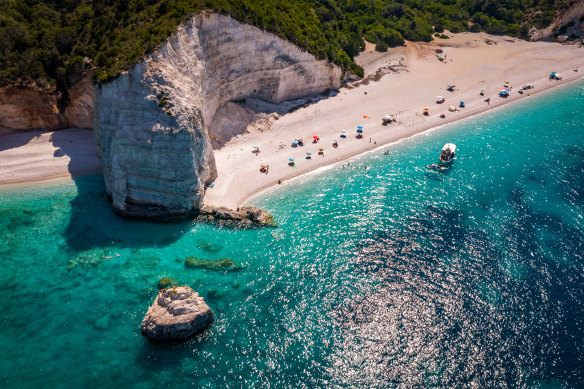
(212, 264)
(176, 313)
(152, 124)
(166, 282)
(229, 214)
(27, 107)
(569, 19)
(243, 217)
(255, 214)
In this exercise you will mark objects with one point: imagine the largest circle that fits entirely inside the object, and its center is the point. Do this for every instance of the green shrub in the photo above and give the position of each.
(381, 46)
(475, 28)
(46, 40)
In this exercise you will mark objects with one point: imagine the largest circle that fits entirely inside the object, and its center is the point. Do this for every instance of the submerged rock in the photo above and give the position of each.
(177, 313)
(210, 247)
(212, 264)
(165, 282)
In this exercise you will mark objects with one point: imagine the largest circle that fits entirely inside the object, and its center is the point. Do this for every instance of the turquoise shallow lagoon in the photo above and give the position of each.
(380, 277)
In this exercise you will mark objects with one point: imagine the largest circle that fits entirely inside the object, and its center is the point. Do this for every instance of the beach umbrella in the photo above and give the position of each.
(343, 136)
(320, 149)
(461, 101)
(291, 159)
(255, 147)
(308, 153)
(359, 127)
(439, 97)
(343, 130)
(426, 109)
(335, 140)
(359, 131)
(315, 137)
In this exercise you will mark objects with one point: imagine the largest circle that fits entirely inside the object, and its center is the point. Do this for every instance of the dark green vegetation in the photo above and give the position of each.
(53, 42)
(166, 282)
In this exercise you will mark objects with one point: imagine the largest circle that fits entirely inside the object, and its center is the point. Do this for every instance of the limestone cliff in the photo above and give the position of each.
(570, 20)
(28, 107)
(153, 124)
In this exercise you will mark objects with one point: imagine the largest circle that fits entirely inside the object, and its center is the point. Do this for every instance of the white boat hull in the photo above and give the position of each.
(448, 153)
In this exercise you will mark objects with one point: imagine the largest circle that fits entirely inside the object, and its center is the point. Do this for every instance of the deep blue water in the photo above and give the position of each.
(385, 277)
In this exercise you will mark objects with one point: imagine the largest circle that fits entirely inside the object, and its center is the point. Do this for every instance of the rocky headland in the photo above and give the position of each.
(177, 313)
(153, 126)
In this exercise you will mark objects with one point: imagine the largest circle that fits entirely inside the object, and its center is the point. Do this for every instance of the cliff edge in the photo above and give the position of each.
(152, 124)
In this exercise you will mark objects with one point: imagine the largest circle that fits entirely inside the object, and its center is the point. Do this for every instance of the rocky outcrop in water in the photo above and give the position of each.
(224, 264)
(241, 217)
(152, 124)
(177, 313)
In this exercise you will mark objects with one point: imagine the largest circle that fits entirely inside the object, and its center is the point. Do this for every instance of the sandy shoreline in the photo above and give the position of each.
(474, 62)
(401, 82)
(38, 157)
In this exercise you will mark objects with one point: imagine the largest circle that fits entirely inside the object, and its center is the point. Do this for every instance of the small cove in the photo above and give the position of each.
(376, 277)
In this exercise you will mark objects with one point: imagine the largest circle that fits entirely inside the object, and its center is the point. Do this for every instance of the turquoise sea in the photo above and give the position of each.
(390, 276)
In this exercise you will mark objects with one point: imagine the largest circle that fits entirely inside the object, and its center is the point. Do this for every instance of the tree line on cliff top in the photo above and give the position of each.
(53, 42)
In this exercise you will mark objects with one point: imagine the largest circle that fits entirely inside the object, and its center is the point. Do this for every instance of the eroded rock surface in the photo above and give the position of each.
(27, 107)
(569, 19)
(177, 313)
(153, 124)
(242, 217)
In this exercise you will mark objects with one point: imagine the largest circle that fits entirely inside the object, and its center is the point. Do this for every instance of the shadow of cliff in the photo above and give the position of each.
(17, 139)
(92, 222)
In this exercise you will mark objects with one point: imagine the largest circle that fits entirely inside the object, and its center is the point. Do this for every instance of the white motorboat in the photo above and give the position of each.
(448, 153)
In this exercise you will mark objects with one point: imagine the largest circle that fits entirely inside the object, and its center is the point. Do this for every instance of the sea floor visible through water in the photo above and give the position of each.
(381, 274)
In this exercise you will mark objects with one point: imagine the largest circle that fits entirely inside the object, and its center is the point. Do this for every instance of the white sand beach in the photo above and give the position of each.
(401, 82)
(35, 156)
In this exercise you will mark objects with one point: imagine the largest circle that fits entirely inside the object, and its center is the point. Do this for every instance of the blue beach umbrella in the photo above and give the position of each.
(343, 136)
(308, 153)
(359, 130)
(359, 127)
(291, 159)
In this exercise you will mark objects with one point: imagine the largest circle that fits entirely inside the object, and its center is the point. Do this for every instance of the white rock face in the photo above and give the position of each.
(152, 124)
(177, 313)
(573, 14)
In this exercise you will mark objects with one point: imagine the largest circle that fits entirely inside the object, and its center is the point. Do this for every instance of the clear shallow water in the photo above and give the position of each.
(379, 278)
